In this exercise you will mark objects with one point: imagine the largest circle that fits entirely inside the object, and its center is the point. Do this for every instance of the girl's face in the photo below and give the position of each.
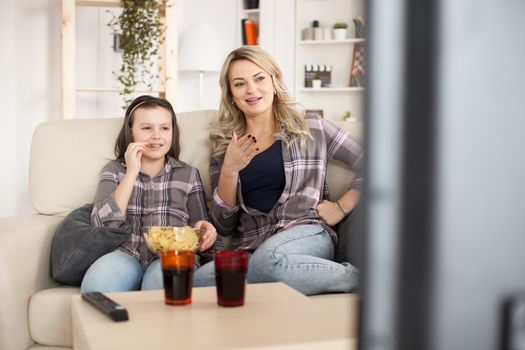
(251, 87)
(153, 126)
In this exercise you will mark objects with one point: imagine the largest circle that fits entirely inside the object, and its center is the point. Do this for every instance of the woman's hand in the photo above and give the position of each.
(210, 234)
(239, 153)
(330, 212)
(133, 155)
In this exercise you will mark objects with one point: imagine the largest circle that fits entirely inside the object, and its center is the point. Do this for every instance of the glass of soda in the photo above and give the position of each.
(231, 267)
(177, 273)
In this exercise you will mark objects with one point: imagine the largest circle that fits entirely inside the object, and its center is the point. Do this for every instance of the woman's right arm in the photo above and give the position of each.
(238, 155)
(225, 180)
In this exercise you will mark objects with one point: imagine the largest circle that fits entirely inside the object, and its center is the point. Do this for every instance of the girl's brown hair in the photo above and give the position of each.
(125, 138)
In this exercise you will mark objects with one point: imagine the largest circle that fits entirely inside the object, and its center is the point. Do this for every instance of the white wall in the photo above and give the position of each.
(31, 73)
(98, 60)
(30, 90)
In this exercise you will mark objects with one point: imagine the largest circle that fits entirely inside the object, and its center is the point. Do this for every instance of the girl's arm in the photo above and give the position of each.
(112, 197)
(106, 211)
(125, 188)
(197, 211)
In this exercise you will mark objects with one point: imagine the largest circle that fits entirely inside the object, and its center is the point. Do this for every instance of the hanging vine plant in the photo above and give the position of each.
(140, 32)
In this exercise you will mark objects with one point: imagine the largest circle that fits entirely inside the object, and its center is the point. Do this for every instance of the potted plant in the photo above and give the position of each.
(347, 115)
(141, 32)
(316, 82)
(340, 29)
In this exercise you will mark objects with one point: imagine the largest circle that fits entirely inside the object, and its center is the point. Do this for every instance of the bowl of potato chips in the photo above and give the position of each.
(163, 238)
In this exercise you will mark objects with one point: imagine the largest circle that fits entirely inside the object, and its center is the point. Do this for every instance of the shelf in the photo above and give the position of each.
(84, 89)
(99, 3)
(167, 53)
(329, 42)
(251, 11)
(341, 89)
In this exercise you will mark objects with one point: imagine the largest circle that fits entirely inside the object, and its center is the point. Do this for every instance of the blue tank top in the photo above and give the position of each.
(262, 181)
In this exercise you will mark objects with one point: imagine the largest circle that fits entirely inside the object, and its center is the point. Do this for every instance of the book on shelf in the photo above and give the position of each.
(243, 30)
(250, 31)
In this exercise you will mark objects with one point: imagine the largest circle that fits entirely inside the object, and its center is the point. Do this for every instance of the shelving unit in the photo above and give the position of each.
(331, 41)
(252, 15)
(266, 17)
(334, 101)
(329, 89)
(167, 65)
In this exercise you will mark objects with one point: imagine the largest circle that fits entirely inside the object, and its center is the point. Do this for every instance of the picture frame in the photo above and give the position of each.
(358, 70)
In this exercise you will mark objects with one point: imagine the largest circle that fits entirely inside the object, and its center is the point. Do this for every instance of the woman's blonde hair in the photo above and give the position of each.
(293, 127)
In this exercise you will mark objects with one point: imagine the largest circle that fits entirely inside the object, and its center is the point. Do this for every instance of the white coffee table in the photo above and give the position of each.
(274, 316)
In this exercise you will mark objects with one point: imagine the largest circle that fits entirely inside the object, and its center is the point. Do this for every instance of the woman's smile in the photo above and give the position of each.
(253, 100)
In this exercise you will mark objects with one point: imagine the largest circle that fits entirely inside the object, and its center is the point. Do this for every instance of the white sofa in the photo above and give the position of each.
(66, 157)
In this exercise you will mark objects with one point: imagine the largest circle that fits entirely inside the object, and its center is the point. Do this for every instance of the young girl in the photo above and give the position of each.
(147, 185)
(268, 171)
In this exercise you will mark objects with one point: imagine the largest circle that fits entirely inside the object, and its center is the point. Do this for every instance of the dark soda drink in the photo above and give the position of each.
(177, 275)
(177, 285)
(231, 267)
(230, 287)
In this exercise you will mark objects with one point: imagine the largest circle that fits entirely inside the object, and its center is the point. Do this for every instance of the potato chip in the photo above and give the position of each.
(162, 238)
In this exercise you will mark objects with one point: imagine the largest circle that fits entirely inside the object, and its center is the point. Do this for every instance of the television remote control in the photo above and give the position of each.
(113, 310)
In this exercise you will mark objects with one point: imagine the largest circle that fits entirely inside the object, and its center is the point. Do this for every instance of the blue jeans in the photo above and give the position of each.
(118, 272)
(301, 257)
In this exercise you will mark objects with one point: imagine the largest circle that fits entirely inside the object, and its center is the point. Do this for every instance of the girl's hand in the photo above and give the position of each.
(133, 155)
(330, 212)
(209, 237)
(239, 153)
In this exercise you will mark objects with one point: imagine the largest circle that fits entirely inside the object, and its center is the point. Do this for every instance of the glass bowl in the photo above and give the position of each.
(164, 238)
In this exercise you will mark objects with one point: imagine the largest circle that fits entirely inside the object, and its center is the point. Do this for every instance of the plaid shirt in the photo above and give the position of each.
(174, 197)
(305, 187)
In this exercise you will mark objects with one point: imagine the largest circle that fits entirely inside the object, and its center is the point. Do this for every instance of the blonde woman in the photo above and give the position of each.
(268, 174)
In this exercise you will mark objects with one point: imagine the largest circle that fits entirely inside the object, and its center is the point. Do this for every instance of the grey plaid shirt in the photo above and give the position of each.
(174, 197)
(305, 187)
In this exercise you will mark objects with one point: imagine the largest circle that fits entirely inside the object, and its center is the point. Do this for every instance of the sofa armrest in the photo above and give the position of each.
(25, 244)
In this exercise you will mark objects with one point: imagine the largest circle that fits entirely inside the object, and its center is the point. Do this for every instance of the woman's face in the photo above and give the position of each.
(252, 88)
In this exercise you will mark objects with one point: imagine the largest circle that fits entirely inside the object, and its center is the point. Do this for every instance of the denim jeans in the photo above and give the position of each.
(301, 257)
(119, 272)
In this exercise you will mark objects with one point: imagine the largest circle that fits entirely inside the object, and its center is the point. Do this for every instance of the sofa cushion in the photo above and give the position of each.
(59, 186)
(77, 244)
(50, 316)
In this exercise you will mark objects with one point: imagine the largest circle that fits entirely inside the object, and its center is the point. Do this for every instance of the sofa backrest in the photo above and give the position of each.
(67, 156)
